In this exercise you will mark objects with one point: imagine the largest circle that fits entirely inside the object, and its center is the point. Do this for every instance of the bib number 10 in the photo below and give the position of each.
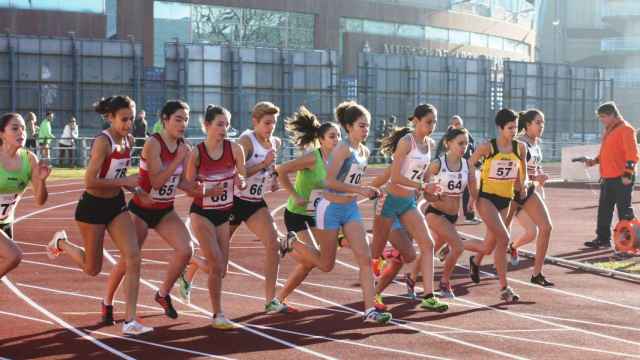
(355, 178)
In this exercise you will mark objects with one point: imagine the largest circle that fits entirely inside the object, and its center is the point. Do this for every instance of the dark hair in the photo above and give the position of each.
(525, 118)
(423, 110)
(5, 119)
(390, 142)
(170, 107)
(505, 116)
(112, 104)
(305, 128)
(49, 113)
(348, 112)
(609, 108)
(212, 111)
(451, 134)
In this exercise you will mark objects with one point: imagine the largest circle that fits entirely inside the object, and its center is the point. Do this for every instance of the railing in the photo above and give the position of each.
(78, 155)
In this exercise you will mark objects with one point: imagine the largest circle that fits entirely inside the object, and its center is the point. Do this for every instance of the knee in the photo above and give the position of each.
(133, 258)
(456, 248)
(15, 259)
(326, 266)
(92, 269)
(545, 229)
(183, 255)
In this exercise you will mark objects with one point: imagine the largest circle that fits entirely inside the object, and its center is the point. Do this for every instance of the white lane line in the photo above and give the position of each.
(27, 317)
(53, 193)
(46, 312)
(63, 323)
(239, 325)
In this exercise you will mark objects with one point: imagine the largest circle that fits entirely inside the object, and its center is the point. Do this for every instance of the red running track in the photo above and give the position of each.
(585, 317)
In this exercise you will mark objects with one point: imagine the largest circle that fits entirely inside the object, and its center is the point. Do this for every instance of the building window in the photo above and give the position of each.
(229, 25)
(379, 28)
(112, 18)
(479, 40)
(459, 37)
(86, 6)
(438, 34)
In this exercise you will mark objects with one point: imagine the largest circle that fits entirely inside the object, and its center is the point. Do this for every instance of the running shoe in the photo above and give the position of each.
(286, 244)
(220, 322)
(514, 259)
(411, 286)
(445, 291)
(275, 307)
(442, 253)
(134, 327)
(184, 288)
(376, 316)
(377, 265)
(507, 294)
(541, 280)
(474, 221)
(432, 304)
(165, 302)
(379, 304)
(53, 251)
(474, 270)
(107, 314)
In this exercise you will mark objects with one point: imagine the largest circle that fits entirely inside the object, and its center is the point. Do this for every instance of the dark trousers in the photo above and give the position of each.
(613, 193)
(465, 202)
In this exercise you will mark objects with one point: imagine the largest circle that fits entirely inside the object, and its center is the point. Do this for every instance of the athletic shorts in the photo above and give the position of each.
(296, 222)
(451, 218)
(151, 217)
(395, 206)
(216, 217)
(243, 210)
(332, 216)
(530, 190)
(377, 209)
(498, 201)
(99, 211)
(8, 229)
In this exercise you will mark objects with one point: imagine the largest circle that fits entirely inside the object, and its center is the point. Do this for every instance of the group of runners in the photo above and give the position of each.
(417, 199)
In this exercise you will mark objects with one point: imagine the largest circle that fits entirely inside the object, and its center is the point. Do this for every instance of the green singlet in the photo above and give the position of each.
(12, 184)
(309, 184)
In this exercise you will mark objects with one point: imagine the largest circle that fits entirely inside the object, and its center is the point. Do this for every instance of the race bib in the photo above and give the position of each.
(7, 205)
(355, 174)
(219, 201)
(117, 169)
(503, 169)
(453, 183)
(168, 191)
(314, 199)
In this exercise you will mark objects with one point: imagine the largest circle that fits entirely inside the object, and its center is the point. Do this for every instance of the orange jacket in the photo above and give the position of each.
(619, 145)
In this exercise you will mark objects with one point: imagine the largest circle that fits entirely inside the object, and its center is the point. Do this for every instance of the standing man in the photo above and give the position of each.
(45, 135)
(140, 132)
(469, 214)
(617, 159)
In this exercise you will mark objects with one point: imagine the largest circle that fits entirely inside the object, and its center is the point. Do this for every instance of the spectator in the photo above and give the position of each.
(617, 159)
(67, 142)
(140, 132)
(32, 131)
(469, 214)
(45, 135)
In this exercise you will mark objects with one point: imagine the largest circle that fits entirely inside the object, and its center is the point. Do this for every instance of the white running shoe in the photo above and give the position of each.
(53, 251)
(220, 322)
(135, 328)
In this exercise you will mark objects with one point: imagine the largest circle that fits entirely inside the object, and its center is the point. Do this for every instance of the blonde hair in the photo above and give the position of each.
(264, 108)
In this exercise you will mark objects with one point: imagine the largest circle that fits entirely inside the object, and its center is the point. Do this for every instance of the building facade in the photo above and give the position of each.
(494, 28)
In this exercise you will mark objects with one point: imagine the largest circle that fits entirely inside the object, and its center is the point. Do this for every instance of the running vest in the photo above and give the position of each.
(415, 163)
(453, 182)
(214, 172)
(352, 169)
(500, 171)
(164, 196)
(12, 184)
(534, 157)
(116, 164)
(309, 184)
(260, 182)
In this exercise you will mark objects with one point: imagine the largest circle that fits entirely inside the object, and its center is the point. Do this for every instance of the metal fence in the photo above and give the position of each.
(66, 75)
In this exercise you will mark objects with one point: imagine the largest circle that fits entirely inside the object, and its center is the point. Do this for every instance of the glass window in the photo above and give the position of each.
(112, 17)
(459, 37)
(353, 25)
(439, 34)
(171, 10)
(91, 6)
(479, 40)
(4, 3)
(413, 31)
(496, 43)
(379, 27)
(510, 45)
